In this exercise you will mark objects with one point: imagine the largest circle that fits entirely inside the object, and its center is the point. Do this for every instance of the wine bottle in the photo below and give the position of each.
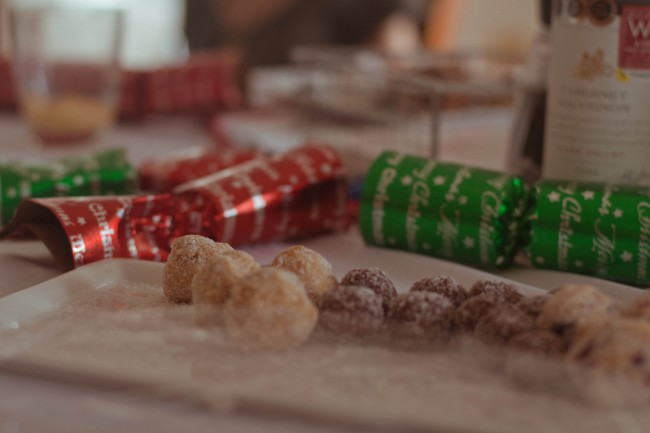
(598, 107)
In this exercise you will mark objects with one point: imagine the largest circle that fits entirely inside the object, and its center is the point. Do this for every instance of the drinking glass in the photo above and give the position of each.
(67, 71)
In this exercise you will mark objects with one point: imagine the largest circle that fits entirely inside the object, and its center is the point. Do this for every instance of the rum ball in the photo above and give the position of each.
(269, 308)
(472, 310)
(374, 279)
(500, 291)
(351, 310)
(421, 315)
(188, 254)
(500, 324)
(444, 286)
(211, 284)
(569, 305)
(311, 268)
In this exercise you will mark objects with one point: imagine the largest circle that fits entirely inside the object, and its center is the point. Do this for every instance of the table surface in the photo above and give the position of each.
(26, 263)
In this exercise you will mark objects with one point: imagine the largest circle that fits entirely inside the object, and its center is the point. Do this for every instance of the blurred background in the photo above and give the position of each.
(154, 28)
(159, 31)
(361, 75)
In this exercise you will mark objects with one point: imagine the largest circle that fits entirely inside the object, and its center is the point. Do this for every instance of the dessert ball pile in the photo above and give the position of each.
(281, 304)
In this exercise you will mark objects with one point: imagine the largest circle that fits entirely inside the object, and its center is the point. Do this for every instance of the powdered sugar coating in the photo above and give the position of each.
(420, 314)
(442, 285)
(351, 310)
(311, 268)
(188, 254)
(269, 308)
(538, 341)
(532, 305)
(211, 284)
(374, 279)
(470, 312)
(500, 324)
(566, 307)
(500, 291)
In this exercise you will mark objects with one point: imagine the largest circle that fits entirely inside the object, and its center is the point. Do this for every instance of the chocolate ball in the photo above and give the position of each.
(500, 291)
(532, 305)
(351, 310)
(374, 279)
(500, 324)
(472, 310)
(420, 314)
(444, 286)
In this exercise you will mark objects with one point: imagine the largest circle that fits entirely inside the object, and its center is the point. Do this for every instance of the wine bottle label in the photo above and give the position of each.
(598, 111)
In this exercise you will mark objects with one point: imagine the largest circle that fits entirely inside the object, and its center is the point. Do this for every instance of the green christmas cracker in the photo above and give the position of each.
(105, 173)
(594, 229)
(445, 210)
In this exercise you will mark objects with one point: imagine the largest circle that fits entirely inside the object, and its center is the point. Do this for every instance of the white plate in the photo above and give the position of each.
(345, 251)
(310, 393)
(54, 294)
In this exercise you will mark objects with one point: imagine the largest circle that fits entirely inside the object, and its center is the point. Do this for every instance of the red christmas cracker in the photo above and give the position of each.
(163, 174)
(132, 95)
(297, 194)
(206, 82)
